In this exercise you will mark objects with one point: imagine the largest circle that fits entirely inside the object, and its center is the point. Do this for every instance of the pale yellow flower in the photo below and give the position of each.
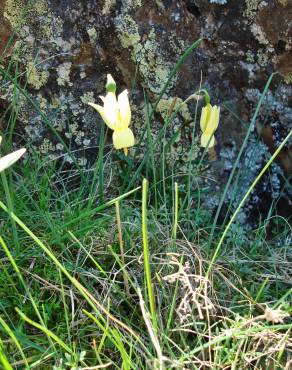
(209, 123)
(116, 113)
(11, 158)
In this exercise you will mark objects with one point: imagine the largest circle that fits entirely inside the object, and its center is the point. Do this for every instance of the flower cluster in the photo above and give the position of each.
(116, 113)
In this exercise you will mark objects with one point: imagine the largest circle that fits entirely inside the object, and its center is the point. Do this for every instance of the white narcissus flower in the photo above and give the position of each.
(11, 158)
(209, 122)
(116, 113)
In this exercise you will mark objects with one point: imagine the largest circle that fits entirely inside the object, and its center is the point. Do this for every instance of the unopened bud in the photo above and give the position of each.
(110, 84)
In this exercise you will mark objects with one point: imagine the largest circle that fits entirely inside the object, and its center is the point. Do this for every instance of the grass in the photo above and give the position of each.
(129, 273)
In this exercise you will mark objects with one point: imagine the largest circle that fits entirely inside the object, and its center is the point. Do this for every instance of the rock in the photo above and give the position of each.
(62, 50)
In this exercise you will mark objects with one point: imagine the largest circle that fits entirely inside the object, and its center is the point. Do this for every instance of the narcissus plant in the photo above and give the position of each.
(11, 158)
(116, 113)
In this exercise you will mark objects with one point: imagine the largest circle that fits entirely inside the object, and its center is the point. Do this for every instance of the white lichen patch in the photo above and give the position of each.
(63, 71)
(259, 34)
(107, 6)
(46, 146)
(92, 34)
(262, 58)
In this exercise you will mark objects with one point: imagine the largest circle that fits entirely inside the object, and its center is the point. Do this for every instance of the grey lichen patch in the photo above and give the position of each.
(132, 4)
(262, 57)
(154, 66)
(63, 71)
(251, 8)
(107, 6)
(278, 102)
(167, 106)
(14, 11)
(128, 31)
(35, 77)
(288, 78)
(250, 58)
(21, 13)
(221, 2)
(88, 97)
(46, 146)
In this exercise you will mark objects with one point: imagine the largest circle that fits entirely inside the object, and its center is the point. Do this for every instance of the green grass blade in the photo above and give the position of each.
(45, 330)
(15, 341)
(146, 255)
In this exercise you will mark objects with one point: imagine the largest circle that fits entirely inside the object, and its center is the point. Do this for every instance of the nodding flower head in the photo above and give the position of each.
(209, 122)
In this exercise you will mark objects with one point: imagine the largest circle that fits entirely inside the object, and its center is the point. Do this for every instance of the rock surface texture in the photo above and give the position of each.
(59, 52)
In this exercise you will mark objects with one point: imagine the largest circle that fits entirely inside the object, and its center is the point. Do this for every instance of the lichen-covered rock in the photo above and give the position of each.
(60, 52)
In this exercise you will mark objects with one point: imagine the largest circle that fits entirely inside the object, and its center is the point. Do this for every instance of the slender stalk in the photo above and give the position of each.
(146, 254)
(175, 223)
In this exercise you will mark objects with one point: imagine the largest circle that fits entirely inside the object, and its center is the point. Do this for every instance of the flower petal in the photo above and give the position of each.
(214, 119)
(111, 110)
(205, 116)
(123, 139)
(205, 140)
(101, 111)
(125, 110)
(11, 158)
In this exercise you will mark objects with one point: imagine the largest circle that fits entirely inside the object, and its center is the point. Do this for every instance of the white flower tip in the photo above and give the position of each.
(11, 158)
(21, 151)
